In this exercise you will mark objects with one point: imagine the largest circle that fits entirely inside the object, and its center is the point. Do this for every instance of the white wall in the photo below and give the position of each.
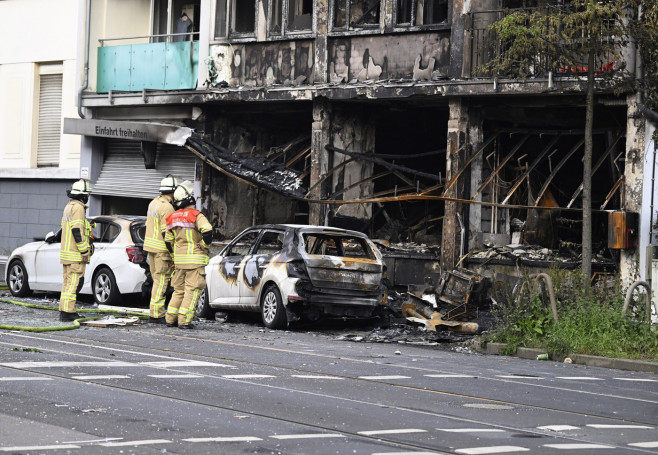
(34, 32)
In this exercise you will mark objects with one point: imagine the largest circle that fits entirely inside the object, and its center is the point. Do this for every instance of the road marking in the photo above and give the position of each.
(107, 376)
(384, 377)
(492, 449)
(469, 430)
(636, 379)
(577, 446)
(56, 364)
(37, 448)
(558, 427)
(308, 436)
(315, 376)
(605, 426)
(395, 431)
(448, 376)
(184, 363)
(135, 443)
(579, 378)
(645, 445)
(404, 453)
(224, 439)
(517, 376)
(174, 376)
(247, 376)
(24, 378)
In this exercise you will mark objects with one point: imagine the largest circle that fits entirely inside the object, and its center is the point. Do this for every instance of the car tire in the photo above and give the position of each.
(17, 279)
(273, 312)
(202, 309)
(105, 287)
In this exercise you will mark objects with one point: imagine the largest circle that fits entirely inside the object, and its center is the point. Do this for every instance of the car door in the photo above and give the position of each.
(226, 289)
(103, 232)
(255, 267)
(48, 270)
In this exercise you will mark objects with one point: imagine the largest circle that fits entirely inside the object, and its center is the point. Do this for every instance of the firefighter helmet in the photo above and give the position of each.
(168, 184)
(184, 195)
(81, 187)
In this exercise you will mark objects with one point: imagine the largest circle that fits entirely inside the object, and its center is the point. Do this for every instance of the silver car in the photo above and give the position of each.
(290, 272)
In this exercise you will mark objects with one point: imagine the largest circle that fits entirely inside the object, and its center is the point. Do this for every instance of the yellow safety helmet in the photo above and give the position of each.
(168, 184)
(184, 195)
(80, 187)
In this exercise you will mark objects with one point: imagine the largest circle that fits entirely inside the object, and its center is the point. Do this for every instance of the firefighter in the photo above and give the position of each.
(160, 261)
(188, 237)
(75, 249)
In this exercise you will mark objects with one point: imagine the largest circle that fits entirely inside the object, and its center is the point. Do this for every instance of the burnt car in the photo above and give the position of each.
(293, 272)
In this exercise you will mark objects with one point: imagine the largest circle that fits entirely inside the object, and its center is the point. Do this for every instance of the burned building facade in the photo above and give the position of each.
(367, 114)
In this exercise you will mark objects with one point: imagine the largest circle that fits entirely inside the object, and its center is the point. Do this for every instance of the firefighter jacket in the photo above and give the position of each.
(71, 251)
(185, 229)
(156, 224)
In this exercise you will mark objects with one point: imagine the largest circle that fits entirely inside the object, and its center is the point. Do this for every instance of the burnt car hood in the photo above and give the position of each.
(344, 273)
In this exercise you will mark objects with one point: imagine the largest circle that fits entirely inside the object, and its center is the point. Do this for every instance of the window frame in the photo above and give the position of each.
(404, 26)
(285, 32)
(348, 29)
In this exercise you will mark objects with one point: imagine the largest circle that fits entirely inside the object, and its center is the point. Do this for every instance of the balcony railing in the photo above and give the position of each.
(151, 66)
(481, 45)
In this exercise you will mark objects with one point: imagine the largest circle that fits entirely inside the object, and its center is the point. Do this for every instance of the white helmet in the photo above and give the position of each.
(168, 184)
(184, 195)
(80, 187)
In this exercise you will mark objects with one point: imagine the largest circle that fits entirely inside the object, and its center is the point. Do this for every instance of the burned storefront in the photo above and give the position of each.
(372, 116)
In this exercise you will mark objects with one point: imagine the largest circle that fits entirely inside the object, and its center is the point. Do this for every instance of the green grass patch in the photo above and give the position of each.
(590, 320)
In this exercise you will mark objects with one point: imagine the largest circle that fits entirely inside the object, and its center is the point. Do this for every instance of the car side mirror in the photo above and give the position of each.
(50, 237)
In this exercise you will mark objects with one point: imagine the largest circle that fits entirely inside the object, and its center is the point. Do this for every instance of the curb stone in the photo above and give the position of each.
(643, 366)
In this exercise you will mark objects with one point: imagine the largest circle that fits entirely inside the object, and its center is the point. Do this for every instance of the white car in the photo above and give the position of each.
(117, 267)
(289, 272)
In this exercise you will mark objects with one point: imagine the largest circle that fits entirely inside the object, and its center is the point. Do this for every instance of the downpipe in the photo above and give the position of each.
(85, 84)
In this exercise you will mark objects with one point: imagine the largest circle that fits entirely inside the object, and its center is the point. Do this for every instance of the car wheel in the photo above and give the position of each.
(17, 279)
(105, 287)
(272, 309)
(202, 309)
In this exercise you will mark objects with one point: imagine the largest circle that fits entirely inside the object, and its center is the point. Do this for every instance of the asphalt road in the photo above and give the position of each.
(238, 388)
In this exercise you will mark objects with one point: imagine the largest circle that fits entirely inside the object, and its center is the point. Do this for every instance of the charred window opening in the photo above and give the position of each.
(354, 14)
(298, 15)
(335, 245)
(422, 12)
(244, 16)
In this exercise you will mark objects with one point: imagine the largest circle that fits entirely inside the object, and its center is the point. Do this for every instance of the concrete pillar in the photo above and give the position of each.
(352, 130)
(457, 137)
(633, 182)
(319, 157)
(320, 45)
(475, 138)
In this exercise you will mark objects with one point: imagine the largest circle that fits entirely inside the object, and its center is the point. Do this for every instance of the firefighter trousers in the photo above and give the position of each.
(73, 280)
(161, 269)
(188, 285)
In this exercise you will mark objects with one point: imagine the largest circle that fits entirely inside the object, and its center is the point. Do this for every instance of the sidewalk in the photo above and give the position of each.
(644, 366)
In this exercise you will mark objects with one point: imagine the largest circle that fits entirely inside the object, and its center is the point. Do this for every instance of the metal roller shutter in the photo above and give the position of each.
(50, 119)
(123, 172)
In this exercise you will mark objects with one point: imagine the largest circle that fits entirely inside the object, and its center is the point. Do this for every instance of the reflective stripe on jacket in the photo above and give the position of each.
(184, 230)
(156, 224)
(74, 218)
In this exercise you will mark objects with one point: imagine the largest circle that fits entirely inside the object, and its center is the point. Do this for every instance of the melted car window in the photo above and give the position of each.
(243, 244)
(336, 245)
(270, 243)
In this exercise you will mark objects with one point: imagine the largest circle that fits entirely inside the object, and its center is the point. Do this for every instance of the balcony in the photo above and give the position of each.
(150, 66)
(482, 45)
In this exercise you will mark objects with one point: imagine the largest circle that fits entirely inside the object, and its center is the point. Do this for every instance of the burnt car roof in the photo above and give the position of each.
(309, 228)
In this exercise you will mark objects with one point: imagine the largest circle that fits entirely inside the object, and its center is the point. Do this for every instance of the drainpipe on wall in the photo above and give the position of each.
(85, 84)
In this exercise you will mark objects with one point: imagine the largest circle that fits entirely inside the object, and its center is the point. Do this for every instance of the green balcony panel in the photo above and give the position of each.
(154, 66)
